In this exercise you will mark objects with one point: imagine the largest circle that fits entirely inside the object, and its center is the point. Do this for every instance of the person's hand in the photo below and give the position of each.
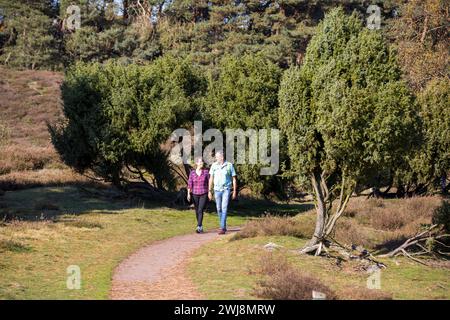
(210, 196)
(234, 196)
(189, 197)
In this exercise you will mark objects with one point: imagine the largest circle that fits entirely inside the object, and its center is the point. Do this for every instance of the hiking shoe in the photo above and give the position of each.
(223, 231)
(199, 230)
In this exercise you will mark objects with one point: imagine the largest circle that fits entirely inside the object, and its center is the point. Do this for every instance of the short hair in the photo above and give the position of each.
(219, 152)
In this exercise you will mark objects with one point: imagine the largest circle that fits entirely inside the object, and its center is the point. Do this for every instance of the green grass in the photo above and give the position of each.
(63, 226)
(92, 233)
(229, 270)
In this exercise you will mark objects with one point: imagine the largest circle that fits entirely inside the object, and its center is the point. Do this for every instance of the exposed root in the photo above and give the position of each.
(333, 249)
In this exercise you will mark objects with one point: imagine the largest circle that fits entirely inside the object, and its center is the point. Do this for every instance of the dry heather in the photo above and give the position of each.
(398, 214)
(284, 282)
(372, 223)
(377, 223)
(28, 100)
(20, 158)
(273, 225)
(45, 177)
(359, 293)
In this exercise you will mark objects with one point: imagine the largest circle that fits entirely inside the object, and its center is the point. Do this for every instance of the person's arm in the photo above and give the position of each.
(234, 187)
(234, 175)
(190, 186)
(210, 184)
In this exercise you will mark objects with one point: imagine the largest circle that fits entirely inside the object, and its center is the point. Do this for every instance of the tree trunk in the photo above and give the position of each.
(325, 218)
(116, 181)
(321, 215)
(125, 10)
(443, 184)
(385, 193)
(400, 191)
(159, 183)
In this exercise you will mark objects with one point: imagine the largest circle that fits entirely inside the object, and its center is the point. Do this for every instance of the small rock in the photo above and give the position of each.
(271, 246)
(317, 295)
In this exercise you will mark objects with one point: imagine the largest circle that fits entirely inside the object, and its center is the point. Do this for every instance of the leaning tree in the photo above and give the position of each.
(346, 115)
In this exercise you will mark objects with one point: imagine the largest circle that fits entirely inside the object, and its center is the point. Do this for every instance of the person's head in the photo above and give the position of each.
(219, 156)
(199, 162)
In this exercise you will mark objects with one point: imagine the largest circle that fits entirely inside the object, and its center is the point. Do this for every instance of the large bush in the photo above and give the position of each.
(346, 114)
(429, 166)
(119, 115)
(243, 95)
(441, 216)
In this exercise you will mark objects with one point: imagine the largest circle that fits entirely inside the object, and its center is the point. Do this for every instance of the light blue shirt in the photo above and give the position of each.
(222, 175)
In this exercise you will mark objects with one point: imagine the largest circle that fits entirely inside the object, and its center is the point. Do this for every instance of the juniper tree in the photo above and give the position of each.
(346, 114)
(243, 95)
(117, 116)
(428, 167)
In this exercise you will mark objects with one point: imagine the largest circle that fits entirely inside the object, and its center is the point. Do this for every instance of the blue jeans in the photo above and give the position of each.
(222, 199)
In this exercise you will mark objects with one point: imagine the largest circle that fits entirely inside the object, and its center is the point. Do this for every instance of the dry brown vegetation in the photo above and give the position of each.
(46, 177)
(359, 293)
(28, 100)
(283, 281)
(371, 223)
(273, 225)
(377, 223)
(20, 158)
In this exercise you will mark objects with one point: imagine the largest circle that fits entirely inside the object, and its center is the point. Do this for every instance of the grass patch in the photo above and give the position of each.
(13, 246)
(359, 293)
(217, 274)
(83, 224)
(92, 233)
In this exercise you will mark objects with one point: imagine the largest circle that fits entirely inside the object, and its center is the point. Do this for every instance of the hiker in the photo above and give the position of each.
(198, 185)
(223, 177)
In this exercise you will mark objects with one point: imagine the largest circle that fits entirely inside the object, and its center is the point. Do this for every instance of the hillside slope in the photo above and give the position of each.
(28, 100)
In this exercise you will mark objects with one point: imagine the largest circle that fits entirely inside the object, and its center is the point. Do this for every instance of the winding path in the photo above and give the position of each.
(158, 271)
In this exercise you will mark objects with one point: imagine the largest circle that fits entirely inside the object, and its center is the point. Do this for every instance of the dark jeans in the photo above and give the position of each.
(200, 204)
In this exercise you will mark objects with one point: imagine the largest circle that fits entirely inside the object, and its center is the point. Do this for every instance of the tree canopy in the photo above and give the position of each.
(243, 94)
(118, 116)
(146, 29)
(345, 95)
(346, 113)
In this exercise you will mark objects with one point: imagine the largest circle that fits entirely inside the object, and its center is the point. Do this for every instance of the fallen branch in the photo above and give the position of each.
(410, 242)
(419, 241)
